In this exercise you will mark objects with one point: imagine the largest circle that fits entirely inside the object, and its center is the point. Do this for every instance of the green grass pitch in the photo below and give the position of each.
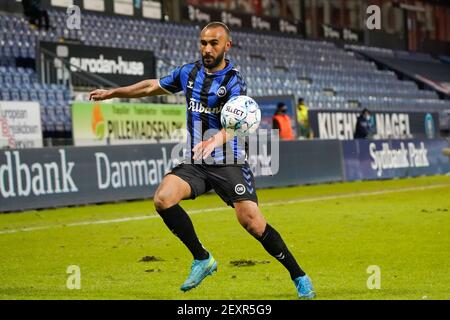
(336, 231)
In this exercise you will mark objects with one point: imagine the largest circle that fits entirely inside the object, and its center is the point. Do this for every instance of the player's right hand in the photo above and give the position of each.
(100, 94)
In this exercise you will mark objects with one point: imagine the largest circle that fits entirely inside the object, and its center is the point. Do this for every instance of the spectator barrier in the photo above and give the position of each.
(55, 177)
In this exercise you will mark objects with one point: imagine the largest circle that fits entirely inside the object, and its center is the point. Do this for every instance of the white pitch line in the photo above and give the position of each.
(86, 223)
(267, 204)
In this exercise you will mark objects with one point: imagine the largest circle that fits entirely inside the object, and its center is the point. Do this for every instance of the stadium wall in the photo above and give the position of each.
(56, 177)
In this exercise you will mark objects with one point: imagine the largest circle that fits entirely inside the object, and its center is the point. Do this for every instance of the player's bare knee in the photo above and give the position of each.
(255, 228)
(251, 228)
(254, 224)
(163, 201)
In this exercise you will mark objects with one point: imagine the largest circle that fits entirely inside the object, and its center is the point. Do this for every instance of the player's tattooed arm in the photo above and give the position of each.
(205, 148)
(141, 89)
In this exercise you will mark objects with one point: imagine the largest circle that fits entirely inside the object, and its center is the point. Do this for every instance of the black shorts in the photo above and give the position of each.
(233, 183)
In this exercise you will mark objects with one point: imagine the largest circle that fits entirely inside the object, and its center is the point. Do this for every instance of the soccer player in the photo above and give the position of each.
(208, 84)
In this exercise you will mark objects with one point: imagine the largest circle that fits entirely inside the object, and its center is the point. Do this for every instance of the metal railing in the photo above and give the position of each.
(53, 69)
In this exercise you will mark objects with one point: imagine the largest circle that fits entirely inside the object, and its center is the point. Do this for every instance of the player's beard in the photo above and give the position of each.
(215, 62)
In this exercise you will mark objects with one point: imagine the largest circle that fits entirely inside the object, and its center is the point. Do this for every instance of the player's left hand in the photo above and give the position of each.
(204, 149)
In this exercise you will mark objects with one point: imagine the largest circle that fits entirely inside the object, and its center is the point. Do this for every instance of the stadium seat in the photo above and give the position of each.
(24, 95)
(267, 69)
(33, 95)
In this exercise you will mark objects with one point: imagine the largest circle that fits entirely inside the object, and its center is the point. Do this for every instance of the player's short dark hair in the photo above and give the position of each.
(218, 24)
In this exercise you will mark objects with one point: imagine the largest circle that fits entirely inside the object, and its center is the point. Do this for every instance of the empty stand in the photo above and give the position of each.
(326, 76)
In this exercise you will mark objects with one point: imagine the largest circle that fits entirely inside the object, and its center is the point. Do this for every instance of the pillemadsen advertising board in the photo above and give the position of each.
(127, 123)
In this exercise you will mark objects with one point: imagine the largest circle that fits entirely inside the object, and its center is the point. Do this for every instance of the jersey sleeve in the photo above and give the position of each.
(238, 87)
(172, 82)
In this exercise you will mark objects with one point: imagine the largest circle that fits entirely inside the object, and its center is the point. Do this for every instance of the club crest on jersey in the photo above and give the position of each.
(221, 92)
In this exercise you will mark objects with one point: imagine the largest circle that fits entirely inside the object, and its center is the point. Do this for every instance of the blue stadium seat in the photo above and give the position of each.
(24, 95)
(60, 96)
(17, 79)
(322, 62)
(8, 79)
(51, 104)
(33, 95)
(60, 112)
(50, 112)
(25, 79)
(51, 96)
(68, 126)
(5, 94)
(67, 111)
(42, 96)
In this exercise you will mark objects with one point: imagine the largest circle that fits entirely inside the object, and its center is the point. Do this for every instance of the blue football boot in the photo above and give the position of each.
(304, 287)
(200, 270)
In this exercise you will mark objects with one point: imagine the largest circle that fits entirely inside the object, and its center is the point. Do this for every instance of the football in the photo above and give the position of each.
(242, 115)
